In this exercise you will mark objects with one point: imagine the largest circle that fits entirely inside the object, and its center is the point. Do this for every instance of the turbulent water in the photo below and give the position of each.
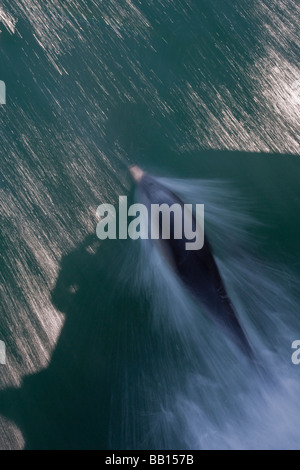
(105, 349)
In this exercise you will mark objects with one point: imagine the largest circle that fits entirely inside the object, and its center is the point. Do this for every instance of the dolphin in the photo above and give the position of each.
(197, 269)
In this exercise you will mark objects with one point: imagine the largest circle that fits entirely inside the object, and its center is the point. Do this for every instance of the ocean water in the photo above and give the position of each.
(105, 349)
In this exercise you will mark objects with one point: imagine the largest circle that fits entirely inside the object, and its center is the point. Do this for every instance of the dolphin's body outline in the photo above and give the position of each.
(197, 269)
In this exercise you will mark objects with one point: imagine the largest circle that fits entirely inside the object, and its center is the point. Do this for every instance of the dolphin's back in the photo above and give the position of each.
(196, 269)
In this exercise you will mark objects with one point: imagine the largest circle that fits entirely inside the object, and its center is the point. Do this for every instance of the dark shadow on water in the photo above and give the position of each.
(69, 404)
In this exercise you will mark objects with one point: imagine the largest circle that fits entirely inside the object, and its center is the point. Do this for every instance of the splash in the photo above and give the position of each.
(200, 391)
